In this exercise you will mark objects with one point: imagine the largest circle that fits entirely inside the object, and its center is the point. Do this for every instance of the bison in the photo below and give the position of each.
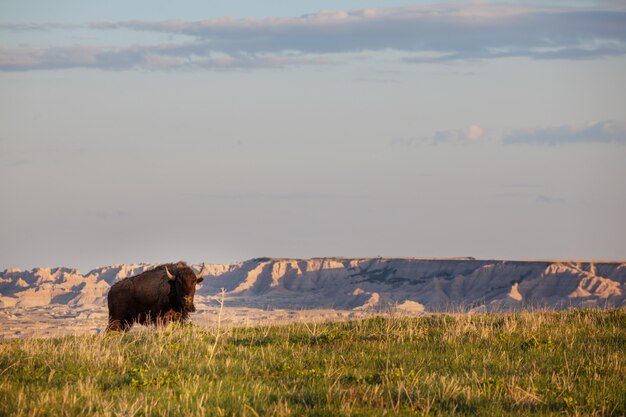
(157, 296)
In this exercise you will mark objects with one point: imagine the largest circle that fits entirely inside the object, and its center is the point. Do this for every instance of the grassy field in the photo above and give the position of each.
(539, 363)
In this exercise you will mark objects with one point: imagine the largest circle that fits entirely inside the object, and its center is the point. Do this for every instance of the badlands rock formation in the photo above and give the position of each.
(410, 285)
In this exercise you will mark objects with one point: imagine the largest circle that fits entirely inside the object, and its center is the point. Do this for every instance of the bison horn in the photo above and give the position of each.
(199, 277)
(169, 275)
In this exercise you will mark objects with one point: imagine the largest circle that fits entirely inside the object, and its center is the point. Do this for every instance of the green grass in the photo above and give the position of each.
(539, 363)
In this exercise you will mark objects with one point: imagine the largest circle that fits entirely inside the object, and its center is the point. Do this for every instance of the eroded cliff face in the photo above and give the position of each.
(413, 285)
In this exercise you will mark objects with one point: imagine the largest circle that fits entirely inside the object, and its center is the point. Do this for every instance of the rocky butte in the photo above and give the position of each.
(402, 284)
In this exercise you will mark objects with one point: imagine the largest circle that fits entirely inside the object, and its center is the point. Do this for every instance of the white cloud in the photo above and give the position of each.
(607, 131)
(470, 134)
(430, 33)
(594, 132)
(158, 57)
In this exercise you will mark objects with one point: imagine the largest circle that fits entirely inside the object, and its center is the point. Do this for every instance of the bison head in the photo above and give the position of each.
(184, 282)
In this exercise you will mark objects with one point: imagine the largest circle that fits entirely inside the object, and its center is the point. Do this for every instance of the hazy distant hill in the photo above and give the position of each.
(350, 284)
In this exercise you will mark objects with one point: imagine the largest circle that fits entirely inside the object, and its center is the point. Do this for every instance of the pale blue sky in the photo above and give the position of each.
(410, 129)
(82, 11)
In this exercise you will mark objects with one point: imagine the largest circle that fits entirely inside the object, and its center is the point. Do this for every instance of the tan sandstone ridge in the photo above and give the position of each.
(346, 284)
(54, 301)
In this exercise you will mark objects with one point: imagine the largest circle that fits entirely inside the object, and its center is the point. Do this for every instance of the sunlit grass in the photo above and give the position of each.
(541, 363)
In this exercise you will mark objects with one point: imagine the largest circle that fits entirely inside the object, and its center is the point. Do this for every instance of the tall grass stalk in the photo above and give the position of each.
(518, 364)
(219, 325)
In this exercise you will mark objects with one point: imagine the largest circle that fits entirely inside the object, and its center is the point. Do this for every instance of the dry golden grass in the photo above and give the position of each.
(539, 363)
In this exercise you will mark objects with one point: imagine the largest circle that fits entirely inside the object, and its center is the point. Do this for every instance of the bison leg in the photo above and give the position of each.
(167, 317)
(118, 325)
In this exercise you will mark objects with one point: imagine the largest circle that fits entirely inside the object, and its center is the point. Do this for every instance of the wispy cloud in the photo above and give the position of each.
(159, 57)
(550, 200)
(595, 132)
(430, 33)
(607, 131)
(261, 195)
(38, 26)
(470, 134)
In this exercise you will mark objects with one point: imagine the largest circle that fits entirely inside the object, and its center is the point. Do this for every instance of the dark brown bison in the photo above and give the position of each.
(157, 296)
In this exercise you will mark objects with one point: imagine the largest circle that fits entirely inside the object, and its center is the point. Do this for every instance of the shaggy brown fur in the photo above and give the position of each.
(152, 297)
